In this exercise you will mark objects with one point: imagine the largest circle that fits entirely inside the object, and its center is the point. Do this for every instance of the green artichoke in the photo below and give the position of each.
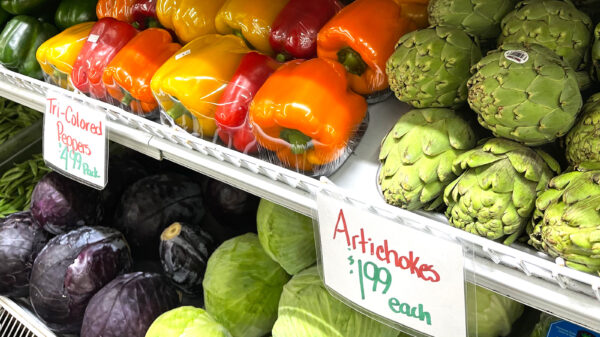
(430, 67)
(494, 196)
(596, 54)
(480, 18)
(555, 24)
(566, 222)
(583, 141)
(525, 93)
(416, 157)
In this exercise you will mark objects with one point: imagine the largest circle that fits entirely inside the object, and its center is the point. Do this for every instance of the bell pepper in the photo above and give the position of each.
(144, 14)
(415, 10)
(250, 20)
(106, 39)
(190, 84)
(19, 42)
(57, 55)
(127, 77)
(232, 111)
(294, 31)
(72, 12)
(28, 7)
(121, 10)
(362, 36)
(306, 113)
(189, 19)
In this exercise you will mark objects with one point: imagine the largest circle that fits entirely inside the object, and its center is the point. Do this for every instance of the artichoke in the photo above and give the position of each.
(430, 67)
(596, 54)
(555, 24)
(583, 141)
(480, 18)
(494, 196)
(566, 222)
(417, 154)
(525, 93)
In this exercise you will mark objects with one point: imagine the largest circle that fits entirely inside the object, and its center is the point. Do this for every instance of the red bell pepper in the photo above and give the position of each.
(231, 114)
(294, 31)
(107, 37)
(144, 14)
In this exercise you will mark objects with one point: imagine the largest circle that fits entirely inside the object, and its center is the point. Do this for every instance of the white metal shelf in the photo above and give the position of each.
(517, 272)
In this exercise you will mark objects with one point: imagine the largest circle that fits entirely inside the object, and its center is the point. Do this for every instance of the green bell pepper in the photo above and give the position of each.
(30, 7)
(20, 40)
(72, 12)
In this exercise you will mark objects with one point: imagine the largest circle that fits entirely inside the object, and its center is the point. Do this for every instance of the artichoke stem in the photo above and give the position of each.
(352, 61)
(239, 34)
(299, 142)
(177, 111)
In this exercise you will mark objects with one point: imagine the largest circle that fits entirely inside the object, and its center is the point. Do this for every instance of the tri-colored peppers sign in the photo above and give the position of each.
(391, 271)
(75, 140)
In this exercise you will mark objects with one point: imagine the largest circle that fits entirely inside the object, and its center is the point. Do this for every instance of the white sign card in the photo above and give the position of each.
(391, 270)
(75, 140)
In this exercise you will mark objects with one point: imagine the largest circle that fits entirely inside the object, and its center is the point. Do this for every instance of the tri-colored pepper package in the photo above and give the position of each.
(313, 127)
(58, 54)
(128, 76)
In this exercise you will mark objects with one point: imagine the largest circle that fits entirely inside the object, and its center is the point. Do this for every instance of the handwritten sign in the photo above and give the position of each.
(390, 270)
(75, 140)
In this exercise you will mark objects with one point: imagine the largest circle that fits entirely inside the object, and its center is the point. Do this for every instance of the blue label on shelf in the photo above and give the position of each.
(568, 329)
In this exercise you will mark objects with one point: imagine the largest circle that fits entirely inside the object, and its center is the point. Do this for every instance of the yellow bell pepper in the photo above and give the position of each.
(251, 20)
(189, 19)
(190, 84)
(57, 55)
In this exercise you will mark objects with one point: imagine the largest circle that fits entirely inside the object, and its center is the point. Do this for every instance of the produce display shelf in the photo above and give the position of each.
(516, 271)
(16, 321)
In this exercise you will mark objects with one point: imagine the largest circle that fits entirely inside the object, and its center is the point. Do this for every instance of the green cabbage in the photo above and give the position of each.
(306, 309)
(186, 322)
(286, 236)
(489, 314)
(242, 286)
(543, 325)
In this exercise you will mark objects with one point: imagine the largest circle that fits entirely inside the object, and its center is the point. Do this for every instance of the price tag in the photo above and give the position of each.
(568, 329)
(392, 271)
(75, 140)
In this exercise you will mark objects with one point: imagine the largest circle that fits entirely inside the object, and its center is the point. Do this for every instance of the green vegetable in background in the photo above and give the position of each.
(543, 325)
(72, 12)
(186, 322)
(416, 157)
(4, 17)
(306, 309)
(29, 7)
(596, 54)
(566, 222)
(583, 141)
(286, 236)
(19, 42)
(242, 286)
(17, 184)
(14, 117)
(494, 195)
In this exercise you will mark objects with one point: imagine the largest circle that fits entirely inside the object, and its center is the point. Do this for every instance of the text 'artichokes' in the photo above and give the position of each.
(430, 67)
(494, 196)
(525, 93)
(583, 141)
(566, 222)
(480, 18)
(416, 157)
(555, 24)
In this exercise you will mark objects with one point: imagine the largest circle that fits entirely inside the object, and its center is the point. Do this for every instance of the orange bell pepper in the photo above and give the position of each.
(362, 36)
(416, 10)
(127, 77)
(121, 10)
(306, 113)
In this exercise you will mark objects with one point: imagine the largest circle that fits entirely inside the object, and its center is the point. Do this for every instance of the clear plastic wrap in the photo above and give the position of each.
(128, 76)
(306, 118)
(189, 19)
(57, 55)
(189, 86)
(121, 10)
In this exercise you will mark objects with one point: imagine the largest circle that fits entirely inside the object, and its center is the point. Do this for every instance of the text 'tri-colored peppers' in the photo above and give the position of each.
(306, 114)
(127, 77)
(190, 84)
(250, 20)
(189, 19)
(362, 36)
(57, 55)
(294, 31)
(232, 111)
(106, 38)
(121, 10)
